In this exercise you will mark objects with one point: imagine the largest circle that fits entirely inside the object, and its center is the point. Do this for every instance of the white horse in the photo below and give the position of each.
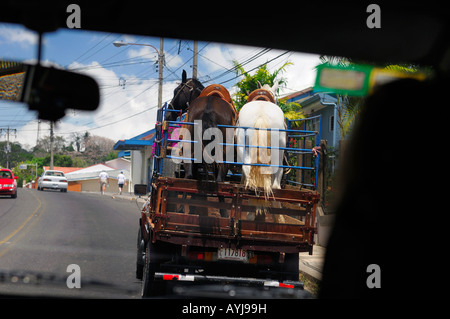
(262, 114)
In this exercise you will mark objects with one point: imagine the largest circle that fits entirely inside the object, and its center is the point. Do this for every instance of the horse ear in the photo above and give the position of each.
(274, 88)
(259, 84)
(183, 77)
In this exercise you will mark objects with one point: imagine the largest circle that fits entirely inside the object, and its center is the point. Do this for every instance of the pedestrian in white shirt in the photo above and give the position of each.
(103, 179)
(121, 181)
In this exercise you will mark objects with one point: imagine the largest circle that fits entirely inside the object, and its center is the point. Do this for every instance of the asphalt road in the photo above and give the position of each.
(43, 232)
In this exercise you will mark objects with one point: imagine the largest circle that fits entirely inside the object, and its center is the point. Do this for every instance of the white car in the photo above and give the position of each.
(52, 179)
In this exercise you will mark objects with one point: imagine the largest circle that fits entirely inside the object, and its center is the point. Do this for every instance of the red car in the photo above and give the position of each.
(8, 183)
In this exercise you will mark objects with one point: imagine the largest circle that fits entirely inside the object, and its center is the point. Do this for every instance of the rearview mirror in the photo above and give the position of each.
(47, 90)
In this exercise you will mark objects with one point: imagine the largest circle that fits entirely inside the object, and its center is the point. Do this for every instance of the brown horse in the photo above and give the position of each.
(210, 111)
(183, 95)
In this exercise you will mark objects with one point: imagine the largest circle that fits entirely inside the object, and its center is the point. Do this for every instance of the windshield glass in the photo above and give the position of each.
(5, 174)
(54, 174)
(83, 243)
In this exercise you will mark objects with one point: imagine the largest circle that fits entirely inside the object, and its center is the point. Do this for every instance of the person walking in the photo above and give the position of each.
(103, 180)
(121, 181)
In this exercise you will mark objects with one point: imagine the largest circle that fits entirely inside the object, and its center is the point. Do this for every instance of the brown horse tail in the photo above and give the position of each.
(208, 121)
(260, 176)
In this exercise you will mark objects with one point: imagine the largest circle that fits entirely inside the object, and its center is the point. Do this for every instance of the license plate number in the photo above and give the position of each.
(232, 254)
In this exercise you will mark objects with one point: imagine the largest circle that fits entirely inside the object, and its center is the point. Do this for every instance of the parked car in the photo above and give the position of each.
(52, 179)
(8, 183)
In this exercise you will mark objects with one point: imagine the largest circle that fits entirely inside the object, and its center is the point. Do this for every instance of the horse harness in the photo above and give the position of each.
(221, 92)
(192, 89)
(261, 95)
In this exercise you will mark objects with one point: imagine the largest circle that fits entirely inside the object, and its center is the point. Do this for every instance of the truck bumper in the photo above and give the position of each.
(250, 282)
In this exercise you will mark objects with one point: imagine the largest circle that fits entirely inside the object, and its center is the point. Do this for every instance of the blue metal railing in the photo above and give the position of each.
(312, 127)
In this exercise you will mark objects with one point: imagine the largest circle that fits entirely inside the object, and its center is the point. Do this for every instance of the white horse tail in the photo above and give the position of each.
(260, 176)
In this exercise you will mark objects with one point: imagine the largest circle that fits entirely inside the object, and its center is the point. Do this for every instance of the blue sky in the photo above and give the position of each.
(129, 110)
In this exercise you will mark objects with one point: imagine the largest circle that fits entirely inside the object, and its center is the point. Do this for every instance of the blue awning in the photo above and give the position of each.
(137, 142)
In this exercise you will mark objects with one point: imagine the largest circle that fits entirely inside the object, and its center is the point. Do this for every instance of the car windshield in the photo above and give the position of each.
(54, 173)
(5, 174)
(77, 238)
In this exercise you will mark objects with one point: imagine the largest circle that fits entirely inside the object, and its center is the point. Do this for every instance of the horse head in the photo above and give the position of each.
(183, 95)
(272, 89)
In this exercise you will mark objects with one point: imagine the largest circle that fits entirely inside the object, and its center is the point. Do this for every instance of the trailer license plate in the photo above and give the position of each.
(232, 254)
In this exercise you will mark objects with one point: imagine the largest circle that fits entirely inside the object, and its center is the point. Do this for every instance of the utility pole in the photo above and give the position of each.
(160, 63)
(160, 69)
(38, 129)
(51, 145)
(195, 61)
(8, 147)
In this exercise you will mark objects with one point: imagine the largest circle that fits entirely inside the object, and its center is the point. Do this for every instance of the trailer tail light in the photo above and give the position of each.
(277, 284)
(209, 256)
(171, 277)
(175, 277)
(195, 255)
(205, 256)
(261, 259)
(285, 285)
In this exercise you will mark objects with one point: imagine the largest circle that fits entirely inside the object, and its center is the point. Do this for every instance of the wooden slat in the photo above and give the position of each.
(273, 210)
(197, 224)
(200, 203)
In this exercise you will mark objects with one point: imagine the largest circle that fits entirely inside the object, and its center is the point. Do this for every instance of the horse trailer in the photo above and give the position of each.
(205, 232)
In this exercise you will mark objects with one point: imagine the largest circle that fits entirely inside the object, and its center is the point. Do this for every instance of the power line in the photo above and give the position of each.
(98, 43)
(237, 76)
(114, 122)
(243, 63)
(129, 61)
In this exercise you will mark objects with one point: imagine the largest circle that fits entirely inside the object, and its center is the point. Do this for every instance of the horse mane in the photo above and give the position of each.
(197, 83)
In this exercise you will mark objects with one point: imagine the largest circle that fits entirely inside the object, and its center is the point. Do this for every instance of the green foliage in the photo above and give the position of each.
(29, 173)
(263, 76)
(96, 149)
(110, 156)
(58, 160)
(16, 155)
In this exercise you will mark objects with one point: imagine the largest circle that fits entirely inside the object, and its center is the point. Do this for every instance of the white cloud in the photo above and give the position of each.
(301, 74)
(117, 103)
(146, 52)
(18, 35)
(27, 134)
(217, 58)
(173, 61)
(113, 117)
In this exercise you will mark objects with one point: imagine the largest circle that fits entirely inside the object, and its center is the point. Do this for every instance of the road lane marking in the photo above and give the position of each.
(18, 229)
